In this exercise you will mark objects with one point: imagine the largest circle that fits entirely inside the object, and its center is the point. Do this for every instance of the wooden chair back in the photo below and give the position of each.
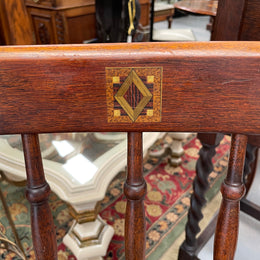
(135, 88)
(237, 21)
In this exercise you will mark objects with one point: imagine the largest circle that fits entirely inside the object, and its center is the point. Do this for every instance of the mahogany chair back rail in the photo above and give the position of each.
(190, 87)
(206, 87)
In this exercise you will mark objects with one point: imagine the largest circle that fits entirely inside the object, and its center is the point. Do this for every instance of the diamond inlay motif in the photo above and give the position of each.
(133, 112)
(134, 94)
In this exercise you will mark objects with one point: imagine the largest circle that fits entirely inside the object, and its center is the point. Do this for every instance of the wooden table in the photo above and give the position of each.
(206, 7)
(163, 12)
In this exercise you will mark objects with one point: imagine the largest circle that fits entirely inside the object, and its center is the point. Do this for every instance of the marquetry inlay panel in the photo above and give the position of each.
(134, 94)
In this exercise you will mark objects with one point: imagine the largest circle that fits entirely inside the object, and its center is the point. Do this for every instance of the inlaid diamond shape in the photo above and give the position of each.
(133, 112)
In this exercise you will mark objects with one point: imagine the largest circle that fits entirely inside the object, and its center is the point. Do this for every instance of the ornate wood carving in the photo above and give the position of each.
(43, 34)
(38, 190)
(232, 190)
(204, 167)
(135, 190)
(60, 28)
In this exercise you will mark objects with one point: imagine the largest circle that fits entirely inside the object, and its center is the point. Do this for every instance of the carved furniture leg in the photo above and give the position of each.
(169, 19)
(232, 190)
(204, 167)
(135, 189)
(37, 194)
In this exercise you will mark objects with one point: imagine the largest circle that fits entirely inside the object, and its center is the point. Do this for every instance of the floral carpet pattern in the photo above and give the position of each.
(166, 204)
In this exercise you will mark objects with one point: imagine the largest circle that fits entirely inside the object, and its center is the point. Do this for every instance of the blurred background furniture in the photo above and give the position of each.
(204, 7)
(15, 26)
(168, 34)
(163, 11)
(65, 21)
(79, 168)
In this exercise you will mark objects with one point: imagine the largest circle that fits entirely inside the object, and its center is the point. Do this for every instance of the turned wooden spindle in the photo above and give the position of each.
(232, 190)
(248, 175)
(135, 189)
(84, 79)
(204, 167)
(37, 193)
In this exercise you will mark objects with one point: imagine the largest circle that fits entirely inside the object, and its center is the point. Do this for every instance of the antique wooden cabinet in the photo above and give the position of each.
(15, 27)
(62, 21)
(68, 21)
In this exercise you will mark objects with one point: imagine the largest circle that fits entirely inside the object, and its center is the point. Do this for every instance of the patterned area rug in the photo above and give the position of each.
(166, 205)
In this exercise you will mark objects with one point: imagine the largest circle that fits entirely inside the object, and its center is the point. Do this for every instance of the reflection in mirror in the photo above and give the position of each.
(80, 168)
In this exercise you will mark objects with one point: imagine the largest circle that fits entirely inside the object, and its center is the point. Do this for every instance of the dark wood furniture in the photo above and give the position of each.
(167, 35)
(202, 7)
(89, 88)
(15, 27)
(66, 21)
(242, 23)
(145, 12)
(163, 12)
(62, 21)
(206, 7)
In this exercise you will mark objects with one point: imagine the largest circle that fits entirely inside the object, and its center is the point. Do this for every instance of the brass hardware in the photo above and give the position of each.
(36, 1)
(91, 240)
(85, 216)
(132, 12)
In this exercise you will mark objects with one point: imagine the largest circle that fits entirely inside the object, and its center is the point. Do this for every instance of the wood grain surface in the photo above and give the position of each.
(135, 190)
(37, 193)
(237, 21)
(205, 86)
(198, 6)
(233, 189)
